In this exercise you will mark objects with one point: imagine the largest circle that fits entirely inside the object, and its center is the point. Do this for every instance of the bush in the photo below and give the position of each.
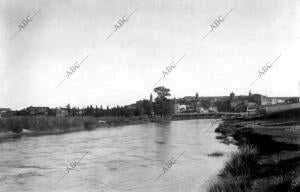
(15, 127)
(90, 124)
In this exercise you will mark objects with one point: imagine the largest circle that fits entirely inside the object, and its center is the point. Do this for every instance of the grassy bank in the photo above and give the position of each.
(16, 126)
(43, 123)
(267, 160)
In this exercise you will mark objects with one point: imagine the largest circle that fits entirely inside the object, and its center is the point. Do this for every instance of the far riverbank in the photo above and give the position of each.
(18, 126)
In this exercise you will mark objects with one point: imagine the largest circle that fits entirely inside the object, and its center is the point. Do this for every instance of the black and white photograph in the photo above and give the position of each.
(149, 96)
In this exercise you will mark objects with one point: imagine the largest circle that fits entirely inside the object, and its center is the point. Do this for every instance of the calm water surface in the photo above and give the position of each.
(127, 158)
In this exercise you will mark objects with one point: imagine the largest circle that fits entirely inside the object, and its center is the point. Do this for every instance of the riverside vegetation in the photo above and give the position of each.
(144, 111)
(44, 123)
(47, 124)
(268, 159)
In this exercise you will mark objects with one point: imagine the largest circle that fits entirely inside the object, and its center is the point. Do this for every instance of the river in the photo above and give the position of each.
(125, 158)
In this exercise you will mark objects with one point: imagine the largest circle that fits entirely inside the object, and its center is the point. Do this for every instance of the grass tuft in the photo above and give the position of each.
(242, 162)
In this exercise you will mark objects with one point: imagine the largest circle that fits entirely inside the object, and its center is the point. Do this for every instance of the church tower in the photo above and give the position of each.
(231, 96)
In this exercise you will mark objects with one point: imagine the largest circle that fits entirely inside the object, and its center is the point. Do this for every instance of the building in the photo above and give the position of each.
(239, 103)
(197, 104)
(252, 108)
(179, 108)
(182, 108)
(188, 104)
(267, 101)
(176, 108)
(213, 109)
(280, 101)
(242, 107)
(264, 100)
(37, 110)
(4, 112)
(198, 107)
(132, 106)
(246, 103)
(61, 112)
(234, 103)
(190, 108)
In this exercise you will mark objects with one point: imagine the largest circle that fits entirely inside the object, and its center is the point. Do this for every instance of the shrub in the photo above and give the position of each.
(90, 124)
(15, 127)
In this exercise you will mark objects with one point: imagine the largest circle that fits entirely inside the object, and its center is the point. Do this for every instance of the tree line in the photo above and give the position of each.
(161, 106)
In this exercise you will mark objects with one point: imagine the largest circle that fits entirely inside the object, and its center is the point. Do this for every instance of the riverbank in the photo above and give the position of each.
(268, 159)
(18, 126)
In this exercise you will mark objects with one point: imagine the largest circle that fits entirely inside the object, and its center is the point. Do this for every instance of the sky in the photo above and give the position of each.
(124, 68)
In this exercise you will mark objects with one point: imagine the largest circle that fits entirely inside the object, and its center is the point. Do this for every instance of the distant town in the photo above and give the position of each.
(251, 104)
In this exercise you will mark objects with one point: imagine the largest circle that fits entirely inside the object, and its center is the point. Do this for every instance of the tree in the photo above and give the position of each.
(205, 104)
(91, 110)
(144, 107)
(223, 106)
(68, 109)
(292, 100)
(96, 111)
(107, 111)
(73, 111)
(162, 106)
(162, 92)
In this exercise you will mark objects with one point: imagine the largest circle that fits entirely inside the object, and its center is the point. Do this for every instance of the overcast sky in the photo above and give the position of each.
(125, 67)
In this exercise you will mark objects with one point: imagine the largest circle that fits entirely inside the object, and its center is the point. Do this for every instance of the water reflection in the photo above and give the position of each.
(162, 137)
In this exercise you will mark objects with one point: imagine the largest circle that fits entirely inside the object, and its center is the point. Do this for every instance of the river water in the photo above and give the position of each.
(126, 158)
